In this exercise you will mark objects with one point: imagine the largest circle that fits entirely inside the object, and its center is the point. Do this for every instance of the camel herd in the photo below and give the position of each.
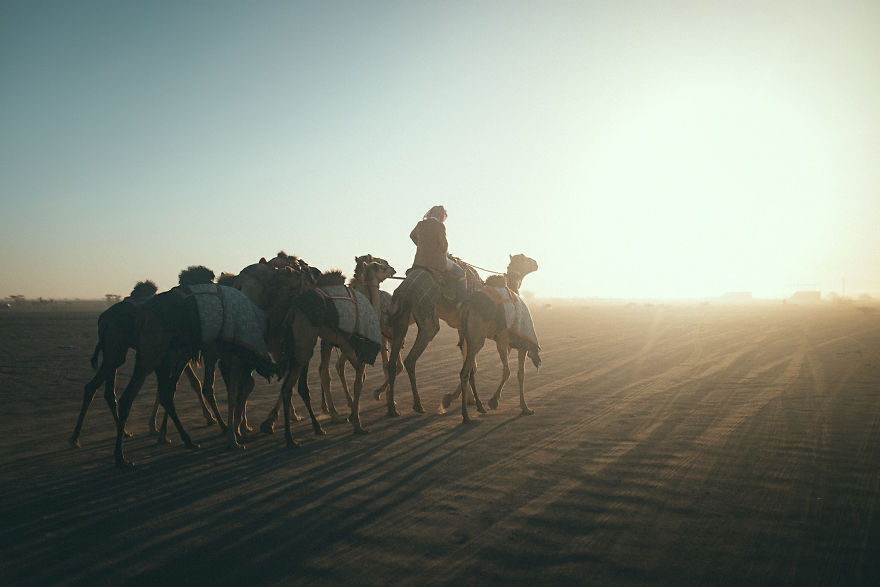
(268, 320)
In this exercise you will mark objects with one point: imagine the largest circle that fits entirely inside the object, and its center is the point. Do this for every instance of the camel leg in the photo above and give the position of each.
(125, 401)
(303, 389)
(268, 425)
(208, 390)
(355, 417)
(473, 347)
(168, 373)
(448, 398)
(394, 361)
(196, 386)
(247, 387)
(305, 337)
(426, 334)
(521, 376)
(292, 377)
(229, 374)
(154, 416)
(504, 353)
(379, 390)
(324, 372)
(106, 375)
(340, 370)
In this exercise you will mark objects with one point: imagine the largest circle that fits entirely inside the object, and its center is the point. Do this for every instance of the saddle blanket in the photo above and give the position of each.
(348, 311)
(516, 314)
(229, 315)
(356, 314)
(420, 287)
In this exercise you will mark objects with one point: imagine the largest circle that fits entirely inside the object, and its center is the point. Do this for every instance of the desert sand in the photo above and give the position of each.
(670, 445)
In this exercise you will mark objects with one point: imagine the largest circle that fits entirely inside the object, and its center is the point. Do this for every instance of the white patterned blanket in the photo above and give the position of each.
(229, 315)
(354, 311)
(516, 314)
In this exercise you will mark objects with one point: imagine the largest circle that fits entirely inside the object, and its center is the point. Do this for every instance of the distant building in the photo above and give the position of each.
(806, 297)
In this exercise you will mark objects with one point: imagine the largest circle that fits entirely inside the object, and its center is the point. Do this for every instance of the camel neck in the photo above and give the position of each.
(514, 280)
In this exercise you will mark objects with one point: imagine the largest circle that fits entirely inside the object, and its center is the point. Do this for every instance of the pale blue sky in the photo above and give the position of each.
(634, 149)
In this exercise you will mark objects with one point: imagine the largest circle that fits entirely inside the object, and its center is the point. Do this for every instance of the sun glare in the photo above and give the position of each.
(708, 187)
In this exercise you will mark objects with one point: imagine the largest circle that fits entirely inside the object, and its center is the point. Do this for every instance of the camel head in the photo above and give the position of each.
(521, 265)
(380, 268)
(195, 275)
(332, 277)
(143, 289)
(226, 278)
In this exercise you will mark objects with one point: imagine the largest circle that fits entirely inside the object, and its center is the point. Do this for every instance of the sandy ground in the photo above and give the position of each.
(669, 445)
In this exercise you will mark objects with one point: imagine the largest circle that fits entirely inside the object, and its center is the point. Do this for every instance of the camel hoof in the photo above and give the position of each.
(193, 445)
(393, 413)
(481, 409)
(527, 412)
(163, 440)
(320, 431)
(74, 443)
(447, 399)
(292, 444)
(360, 430)
(128, 434)
(377, 395)
(247, 428)
(466, 420)
(417, 407)
(237, 446)
(267, 427)
(122, 461)
(493, 403)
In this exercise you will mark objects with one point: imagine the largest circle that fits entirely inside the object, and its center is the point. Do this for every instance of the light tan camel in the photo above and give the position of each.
(419, 300)
(481, 319)
(413, 305)
(313, 318)
(369, 273)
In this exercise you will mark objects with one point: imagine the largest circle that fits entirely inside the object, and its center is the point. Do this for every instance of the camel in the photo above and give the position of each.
(316, 314)
(418, 300)
(117, 334)
(273, 288)
(176, 325)
(422, 300)
(369, 273)
(483, 316)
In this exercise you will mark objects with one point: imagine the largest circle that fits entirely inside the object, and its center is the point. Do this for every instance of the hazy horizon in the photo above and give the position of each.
(636, 150)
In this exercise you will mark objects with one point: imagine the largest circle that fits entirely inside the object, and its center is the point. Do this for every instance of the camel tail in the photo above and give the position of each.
(98, 348)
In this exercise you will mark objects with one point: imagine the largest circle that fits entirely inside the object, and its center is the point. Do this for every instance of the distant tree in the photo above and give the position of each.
(16, 299)
(112, 298)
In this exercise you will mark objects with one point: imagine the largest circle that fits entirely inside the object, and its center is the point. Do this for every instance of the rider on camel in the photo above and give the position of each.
(432, 252)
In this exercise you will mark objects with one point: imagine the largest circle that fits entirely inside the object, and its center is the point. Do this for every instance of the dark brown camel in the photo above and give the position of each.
(116, 334)
(172, 329)
(273, 288)
(483, 316)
